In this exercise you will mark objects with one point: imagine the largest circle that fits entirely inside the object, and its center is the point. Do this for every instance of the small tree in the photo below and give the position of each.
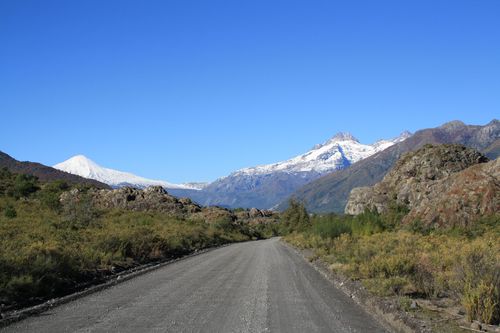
(295, 217)
(50, 193)
(80, 213)
(24, 185)
(6, 181)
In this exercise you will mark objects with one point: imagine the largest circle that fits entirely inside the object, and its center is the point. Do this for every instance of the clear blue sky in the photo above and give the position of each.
(191, 90)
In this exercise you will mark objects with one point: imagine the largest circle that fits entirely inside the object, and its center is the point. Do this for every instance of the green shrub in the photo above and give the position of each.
(423, 277)
(225, 224)
(10, 211)
(295, 217)
(331, 226)
(405, 303)
(394, 215)
(482, 302)
(25, 185)
(50, 193)
(478, 281)
(387, 286)
(6, 181)
(79, 214)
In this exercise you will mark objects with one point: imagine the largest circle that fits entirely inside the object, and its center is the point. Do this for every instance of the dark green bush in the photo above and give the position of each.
(50, 193)
(78, 215)
(10, 211)
(331, 226)
(24, 185)
(295, 217)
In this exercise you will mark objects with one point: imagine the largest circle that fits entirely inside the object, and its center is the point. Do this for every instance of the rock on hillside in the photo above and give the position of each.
(256, 216)
(440, 185)
(154, 199)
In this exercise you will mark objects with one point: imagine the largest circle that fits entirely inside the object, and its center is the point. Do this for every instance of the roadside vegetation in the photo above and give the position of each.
(48, 250)
(410, 261)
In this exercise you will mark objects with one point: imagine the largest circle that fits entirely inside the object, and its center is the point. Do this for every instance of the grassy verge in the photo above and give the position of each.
(48, 250)
(412, 262)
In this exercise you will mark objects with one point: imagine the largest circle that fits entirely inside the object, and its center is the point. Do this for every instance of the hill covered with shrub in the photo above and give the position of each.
(58, 238)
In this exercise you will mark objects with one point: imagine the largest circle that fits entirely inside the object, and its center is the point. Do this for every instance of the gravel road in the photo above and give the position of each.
(261, 286)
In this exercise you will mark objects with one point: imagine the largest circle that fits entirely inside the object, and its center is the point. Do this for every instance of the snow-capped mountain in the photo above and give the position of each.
(261, 186)
(340, 151)
(265, 186)
(85, 167)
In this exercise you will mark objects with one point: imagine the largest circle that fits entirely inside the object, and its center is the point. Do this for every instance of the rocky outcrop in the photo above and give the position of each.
(154, 199)
(461, 198)
(257, 216)
(214, 214)
(157, 199)
(440, 185)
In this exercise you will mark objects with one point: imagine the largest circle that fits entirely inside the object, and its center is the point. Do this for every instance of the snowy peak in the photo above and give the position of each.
(384, 144)
(82, 166)
(343, 136)
(340, 151)
(339, 137)
(404, 135)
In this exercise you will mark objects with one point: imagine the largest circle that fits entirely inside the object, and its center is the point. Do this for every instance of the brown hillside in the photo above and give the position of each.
(43, 172)
(443, 185)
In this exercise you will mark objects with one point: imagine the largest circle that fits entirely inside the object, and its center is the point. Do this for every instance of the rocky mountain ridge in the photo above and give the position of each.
(341, 150)
(329, 193)
(440, 185)
(266, 185)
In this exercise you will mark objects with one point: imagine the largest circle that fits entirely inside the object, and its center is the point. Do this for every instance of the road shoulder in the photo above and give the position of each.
(11, 317)
(384, 311)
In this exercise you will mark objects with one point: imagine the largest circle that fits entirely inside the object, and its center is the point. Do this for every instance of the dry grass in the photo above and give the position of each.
(460, 264)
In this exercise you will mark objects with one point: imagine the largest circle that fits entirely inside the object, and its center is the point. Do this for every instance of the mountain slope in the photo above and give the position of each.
(341, 150)
(330, 192)
(43, 172)
(440, 185)
(83, 166)
(266, 185)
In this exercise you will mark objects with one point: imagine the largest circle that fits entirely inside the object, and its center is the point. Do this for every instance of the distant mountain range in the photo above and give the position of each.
(330, 192)
(44, 173)
(85, 167)
(265, 186)
(262, 186)
(340, 151)
(322, 177)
